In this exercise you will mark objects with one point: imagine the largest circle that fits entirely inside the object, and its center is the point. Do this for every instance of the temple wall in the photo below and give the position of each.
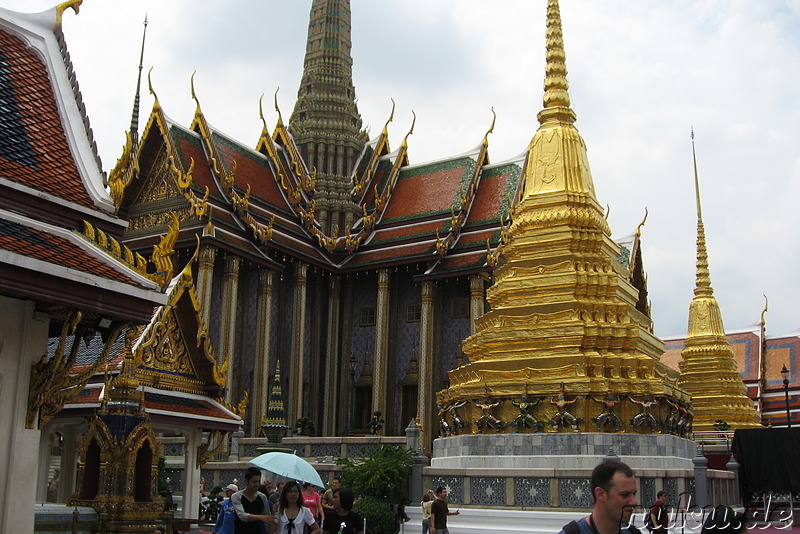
(23, 339)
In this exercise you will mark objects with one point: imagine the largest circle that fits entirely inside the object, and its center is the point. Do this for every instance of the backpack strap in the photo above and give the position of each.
(572, 528)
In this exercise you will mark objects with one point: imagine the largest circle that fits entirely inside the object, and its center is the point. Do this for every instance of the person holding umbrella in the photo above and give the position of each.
(292, 515)
(252, 507)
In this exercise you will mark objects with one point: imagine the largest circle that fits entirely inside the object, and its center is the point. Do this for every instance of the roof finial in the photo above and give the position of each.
(135, 114)
(703, 282)
(556, 88)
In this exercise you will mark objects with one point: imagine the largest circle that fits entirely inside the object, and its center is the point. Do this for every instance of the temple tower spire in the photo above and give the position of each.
(708, 368)
(325, 122)
(135, 113)
(563, 315)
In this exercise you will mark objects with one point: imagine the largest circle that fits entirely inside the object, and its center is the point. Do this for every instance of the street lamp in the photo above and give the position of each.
(353, 363)
(785, 375)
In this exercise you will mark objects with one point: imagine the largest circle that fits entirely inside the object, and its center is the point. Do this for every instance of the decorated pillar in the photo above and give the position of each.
(425, 390)
(476, 298)
(230, 293)
(191, 472)
(69, 461)
(205, 278)
(331, 376)
(266, 281)
(380, 376)
(299, 342)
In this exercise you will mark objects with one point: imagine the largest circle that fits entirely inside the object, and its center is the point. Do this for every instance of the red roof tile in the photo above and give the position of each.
(426, 193)
(34, 150)
(41, 245)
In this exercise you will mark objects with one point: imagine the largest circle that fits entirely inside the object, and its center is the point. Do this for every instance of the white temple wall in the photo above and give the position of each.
(23, 340)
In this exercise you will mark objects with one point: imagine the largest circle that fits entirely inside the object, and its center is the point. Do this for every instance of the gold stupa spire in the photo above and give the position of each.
(556, 87)
(563, 315)
(708, 368)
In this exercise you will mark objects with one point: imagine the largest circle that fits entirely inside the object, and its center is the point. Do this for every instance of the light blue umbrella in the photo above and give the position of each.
(288, 465)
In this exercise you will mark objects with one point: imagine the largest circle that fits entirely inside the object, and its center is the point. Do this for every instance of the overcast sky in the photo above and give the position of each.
(642, 74)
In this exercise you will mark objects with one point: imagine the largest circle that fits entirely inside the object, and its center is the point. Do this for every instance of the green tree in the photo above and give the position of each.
(381, 474)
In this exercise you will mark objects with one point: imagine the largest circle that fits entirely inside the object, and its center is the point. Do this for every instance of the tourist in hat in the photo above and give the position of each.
(226, 520)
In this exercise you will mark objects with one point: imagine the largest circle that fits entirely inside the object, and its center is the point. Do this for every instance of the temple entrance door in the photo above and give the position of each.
(408, 405)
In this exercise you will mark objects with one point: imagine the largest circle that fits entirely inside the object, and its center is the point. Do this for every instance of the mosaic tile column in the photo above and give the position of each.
(425, 389)
(298, 343)
(261, 383)
(230, 296)
(380, 374)
(205, 279)
(476, 299)
(332, 356)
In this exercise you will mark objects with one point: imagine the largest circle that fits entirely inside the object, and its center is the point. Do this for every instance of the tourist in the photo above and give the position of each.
(342, 519)
(427, 501)
(440, 511)
(252, 508)
(226, 520)
(276, 493)
(327, 498)
(724, 520)
(291, 515)
(659, 517)
(614, 496)
(313, 501)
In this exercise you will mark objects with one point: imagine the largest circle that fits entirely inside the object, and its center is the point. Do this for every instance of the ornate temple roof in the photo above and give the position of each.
(51, 184)
(173, 407)
(47, 143)
(174, 362)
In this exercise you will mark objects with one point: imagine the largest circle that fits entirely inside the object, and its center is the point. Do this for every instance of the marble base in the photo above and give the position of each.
(582, 450)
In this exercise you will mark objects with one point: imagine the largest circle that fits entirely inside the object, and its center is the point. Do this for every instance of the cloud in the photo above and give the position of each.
(642, 74)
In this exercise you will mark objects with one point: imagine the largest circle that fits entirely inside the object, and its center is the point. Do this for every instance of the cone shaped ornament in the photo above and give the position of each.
(708, 368)
(563, 318)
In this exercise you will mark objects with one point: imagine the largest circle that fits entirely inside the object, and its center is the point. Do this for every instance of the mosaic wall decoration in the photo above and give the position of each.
(671, 487)
(208, 476)
(574, 493)
(488, 491)
(227, 476)
(175, 477)
(454, 485)
(250, 450)
(358, 451)
(319, 450)
(648, 494)
(173, 449)
(531, 492)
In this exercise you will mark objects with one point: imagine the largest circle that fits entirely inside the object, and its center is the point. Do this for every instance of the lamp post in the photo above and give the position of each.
(353, 363)
(785, 375)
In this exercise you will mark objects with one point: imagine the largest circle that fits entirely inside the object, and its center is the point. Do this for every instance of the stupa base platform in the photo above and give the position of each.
(580, 450)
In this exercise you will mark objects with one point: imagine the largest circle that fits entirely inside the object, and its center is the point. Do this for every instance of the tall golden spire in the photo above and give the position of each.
(556, 88)
(708, 369)
(563, 315)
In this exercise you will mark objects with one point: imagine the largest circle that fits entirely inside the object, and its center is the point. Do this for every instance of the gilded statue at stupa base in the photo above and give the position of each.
(564, 319)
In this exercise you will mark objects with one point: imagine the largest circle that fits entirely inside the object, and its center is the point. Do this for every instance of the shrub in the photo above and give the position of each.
(379, 515)
(381, 474)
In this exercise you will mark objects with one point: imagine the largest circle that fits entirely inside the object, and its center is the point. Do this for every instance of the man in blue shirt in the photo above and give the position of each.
(226, 520)
(614, 495)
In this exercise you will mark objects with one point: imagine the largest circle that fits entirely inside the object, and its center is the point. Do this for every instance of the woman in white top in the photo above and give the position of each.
(291, 515)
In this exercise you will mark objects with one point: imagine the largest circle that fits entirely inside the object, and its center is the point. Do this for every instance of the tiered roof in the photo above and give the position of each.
(57, 226)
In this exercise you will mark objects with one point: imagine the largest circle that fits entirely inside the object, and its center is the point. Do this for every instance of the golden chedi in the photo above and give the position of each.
(563, 316)
(708, 368)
